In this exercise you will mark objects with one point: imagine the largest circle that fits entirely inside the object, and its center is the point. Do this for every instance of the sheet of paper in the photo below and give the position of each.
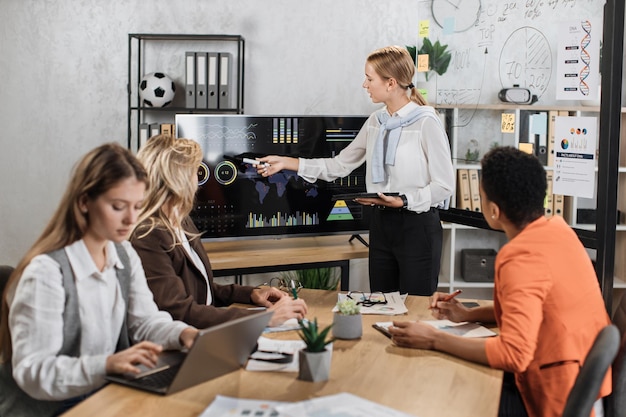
(342, 404)
(235, 407)
(463, 329)
(279, 346)
(394, 306)
(291, 324)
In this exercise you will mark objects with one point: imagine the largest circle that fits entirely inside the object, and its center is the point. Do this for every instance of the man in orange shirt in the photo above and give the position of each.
(547, 301)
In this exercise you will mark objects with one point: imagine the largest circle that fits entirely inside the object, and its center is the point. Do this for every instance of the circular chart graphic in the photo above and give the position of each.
(225, 172)
(203, 174)
(526, 61)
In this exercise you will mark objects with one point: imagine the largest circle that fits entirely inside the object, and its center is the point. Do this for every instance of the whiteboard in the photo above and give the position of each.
(497, 44)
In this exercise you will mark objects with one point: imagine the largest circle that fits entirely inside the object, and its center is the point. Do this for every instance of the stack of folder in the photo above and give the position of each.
(208, 80)
(147, 130)
(468, 194)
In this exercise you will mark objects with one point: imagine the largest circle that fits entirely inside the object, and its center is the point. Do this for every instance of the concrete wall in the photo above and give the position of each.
(63, 69)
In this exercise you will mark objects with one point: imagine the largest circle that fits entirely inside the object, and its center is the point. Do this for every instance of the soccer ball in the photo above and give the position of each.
(156, 90)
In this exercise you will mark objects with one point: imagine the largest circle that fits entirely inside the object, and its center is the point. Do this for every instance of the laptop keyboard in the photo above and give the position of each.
(161, 379)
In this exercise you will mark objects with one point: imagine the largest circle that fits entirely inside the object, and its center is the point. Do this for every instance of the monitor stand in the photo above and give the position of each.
(359, 238)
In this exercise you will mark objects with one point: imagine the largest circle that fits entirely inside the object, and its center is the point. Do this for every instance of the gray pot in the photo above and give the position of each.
(314, 366)
(347, 327)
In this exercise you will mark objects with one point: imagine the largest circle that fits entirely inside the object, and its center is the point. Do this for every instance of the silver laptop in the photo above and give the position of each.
(217, 351)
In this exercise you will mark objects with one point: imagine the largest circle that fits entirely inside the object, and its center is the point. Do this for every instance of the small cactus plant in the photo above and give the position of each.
(348, 307)
(314, 338)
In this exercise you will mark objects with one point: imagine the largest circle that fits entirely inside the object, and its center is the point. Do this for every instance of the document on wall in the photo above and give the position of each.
(578, 59)
(575, 156)
(463, 329)
(387, 304)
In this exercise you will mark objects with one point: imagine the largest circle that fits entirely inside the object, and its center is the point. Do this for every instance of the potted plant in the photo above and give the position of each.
(438, 56)
(347, 322)
(316, 278)
(314, 359)
(438, 61)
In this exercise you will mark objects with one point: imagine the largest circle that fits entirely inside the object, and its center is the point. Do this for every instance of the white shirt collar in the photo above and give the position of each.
(406, 109)
(83, 264)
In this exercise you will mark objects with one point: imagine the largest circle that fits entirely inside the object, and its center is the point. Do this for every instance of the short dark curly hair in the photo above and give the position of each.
(516, 182)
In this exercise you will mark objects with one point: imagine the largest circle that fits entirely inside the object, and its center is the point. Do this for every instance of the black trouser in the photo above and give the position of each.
(511, 404)
(405, 251)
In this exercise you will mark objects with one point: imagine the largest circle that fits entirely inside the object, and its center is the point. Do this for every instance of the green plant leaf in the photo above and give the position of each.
(412, 51)
(316, 278)
(348, 307)
(438, 56)
(315, 341)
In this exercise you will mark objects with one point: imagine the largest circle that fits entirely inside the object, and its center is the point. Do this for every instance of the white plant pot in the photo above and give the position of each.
(314, 366)
(347, 326)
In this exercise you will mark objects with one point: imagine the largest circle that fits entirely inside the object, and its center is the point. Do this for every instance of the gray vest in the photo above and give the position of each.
(14, 402)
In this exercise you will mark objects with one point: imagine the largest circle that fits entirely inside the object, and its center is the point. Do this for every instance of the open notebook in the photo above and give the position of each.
(464, 329)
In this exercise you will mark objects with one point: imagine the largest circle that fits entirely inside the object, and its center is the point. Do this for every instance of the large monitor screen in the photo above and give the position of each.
(233, 201)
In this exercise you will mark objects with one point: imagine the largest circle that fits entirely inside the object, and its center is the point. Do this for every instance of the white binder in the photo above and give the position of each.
(224, 80)
(212, 80)
(144, 134)
(190, 80)
(201, 83)
(155, 129)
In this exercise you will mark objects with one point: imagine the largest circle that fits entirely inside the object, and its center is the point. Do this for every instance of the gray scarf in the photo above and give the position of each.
(394, 125)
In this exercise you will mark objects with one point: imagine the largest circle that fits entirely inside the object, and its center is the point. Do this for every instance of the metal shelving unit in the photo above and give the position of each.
(166, 53)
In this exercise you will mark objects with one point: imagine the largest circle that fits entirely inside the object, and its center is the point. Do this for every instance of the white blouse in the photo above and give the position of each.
(195, 258)
(423, 168)
(36, 321)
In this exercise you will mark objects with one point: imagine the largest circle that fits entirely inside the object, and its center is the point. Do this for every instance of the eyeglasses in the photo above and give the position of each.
(368, 300)
(285, 284)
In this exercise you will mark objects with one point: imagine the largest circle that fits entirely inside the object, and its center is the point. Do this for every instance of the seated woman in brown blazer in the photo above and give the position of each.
(177, 266)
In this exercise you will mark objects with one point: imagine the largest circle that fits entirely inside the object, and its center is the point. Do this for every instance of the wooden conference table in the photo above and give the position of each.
(252, 256)
(418, 382)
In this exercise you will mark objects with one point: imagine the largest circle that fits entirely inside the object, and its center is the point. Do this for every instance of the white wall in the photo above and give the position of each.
(63, 69)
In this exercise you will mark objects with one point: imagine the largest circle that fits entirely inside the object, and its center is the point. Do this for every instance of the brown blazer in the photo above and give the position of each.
(178, 285)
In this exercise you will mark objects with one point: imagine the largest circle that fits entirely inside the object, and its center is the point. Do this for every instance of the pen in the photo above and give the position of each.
(293, 290)
(255, 162)
(448, 297)
(451, 296)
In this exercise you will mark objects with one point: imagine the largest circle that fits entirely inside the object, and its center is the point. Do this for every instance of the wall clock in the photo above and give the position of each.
(464, 12)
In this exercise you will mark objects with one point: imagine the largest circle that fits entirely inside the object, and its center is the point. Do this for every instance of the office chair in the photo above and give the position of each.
(619, 312)
(5, 273)
(615, 404)
(587, 385)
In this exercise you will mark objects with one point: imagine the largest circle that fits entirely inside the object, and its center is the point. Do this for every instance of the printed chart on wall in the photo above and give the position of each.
(574, 160)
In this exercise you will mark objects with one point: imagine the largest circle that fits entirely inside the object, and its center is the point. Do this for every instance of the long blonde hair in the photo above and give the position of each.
(396, 62)
(170, 163)
(96, 173)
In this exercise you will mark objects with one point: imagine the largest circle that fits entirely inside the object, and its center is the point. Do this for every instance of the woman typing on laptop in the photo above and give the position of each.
(168, 243)
(79, 299)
